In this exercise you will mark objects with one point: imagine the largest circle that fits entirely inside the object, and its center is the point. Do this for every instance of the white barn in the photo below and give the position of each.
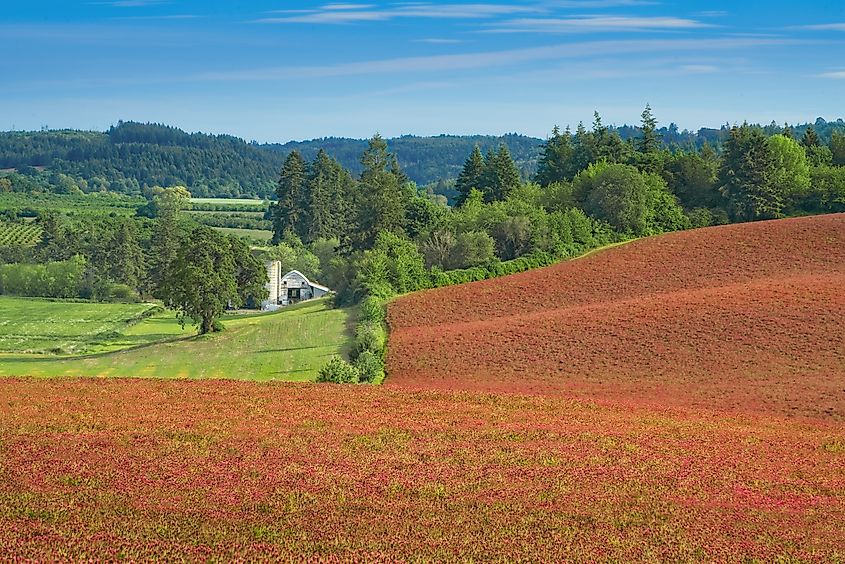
(288, 289)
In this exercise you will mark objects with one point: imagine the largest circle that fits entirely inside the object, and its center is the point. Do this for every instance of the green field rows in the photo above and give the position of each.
(256, 234)
(19, 233)
(36, 326)
(290, 345)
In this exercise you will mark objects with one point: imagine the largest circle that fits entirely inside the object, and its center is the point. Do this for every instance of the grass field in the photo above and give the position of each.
(228, 201)
(34, 326)
(257, 234)
(288, 345)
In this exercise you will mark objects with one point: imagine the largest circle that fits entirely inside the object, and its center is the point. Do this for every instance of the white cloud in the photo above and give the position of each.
(840, 74)
(584, 24)
(699, 69)
(469, 61)
(439, 41)
(828, 27)
(351, 13)
(131, 3)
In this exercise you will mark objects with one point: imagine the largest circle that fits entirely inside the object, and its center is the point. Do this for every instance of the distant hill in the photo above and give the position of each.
(130, 155)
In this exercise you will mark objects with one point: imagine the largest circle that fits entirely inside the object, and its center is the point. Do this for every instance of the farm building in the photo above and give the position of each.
(293, 287)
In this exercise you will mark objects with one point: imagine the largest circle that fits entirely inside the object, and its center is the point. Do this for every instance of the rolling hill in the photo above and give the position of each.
(746, 317)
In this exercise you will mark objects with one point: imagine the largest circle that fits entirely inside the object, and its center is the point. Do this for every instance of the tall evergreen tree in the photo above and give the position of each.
(810, 138)
(383, 198)
(555, 158)
(471, 176)
(649, 141)
(501, 176)
(289, 210)
(329, 192)
(837, 148)
(747, 176)
(125, 257)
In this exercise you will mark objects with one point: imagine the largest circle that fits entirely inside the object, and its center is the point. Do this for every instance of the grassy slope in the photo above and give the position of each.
(289, 345)
(32, 325)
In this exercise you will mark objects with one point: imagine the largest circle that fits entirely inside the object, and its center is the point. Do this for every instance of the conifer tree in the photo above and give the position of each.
(648, 141)
(329, 192)
(837, 148)
(747, 176)
(471, 176)
(810, 139)
(555, 158)
(383, 199)
(501, 175)
(288, 212)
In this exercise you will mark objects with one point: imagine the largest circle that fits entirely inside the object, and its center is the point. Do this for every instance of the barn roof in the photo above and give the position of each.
(310, 283)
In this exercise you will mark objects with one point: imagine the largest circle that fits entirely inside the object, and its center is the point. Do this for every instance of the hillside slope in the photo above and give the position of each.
(745, 317)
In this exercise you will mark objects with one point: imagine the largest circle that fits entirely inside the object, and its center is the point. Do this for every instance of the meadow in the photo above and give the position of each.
(290, 345)
(255, 235)
(30, 325)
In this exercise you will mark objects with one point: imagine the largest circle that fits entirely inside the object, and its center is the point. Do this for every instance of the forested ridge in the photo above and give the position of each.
(132, 156)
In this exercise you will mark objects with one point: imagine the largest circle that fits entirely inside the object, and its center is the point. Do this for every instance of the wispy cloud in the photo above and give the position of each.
(439, 41)
(583, 4)
(839, 74)
(591, 24)
(130, 3)
(492, 59)
(351, 13)
(163, 17)
(827, 26)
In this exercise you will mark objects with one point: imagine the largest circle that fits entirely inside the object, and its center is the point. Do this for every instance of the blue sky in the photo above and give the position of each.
(281, 70)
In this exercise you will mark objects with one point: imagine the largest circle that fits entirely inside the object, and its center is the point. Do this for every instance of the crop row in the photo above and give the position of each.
(19, 233)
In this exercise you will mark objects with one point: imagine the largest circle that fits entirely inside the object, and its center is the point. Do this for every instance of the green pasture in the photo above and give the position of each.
(256, 234)
(229, 201)
(36, 325)
(291, 344)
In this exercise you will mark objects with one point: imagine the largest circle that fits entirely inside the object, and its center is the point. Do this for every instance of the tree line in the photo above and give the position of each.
(193, 269)
(131, 157)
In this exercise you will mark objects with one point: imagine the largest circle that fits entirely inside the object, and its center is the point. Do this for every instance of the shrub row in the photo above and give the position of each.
(61, 279)
(368, 349)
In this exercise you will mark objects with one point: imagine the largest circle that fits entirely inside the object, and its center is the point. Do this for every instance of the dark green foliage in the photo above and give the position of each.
(501, 176)
(383, 199)
(556, 156)
(810, 138)
(746, 176)
(692, 176)
(338, 371)
(422, 216)
(370, 367)
(329, 199)
(60, 279)
(629, 200)
(649, 142)
(250, 275)
(837, 148)
(204, 278)
(291, 198)
(471, 176)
